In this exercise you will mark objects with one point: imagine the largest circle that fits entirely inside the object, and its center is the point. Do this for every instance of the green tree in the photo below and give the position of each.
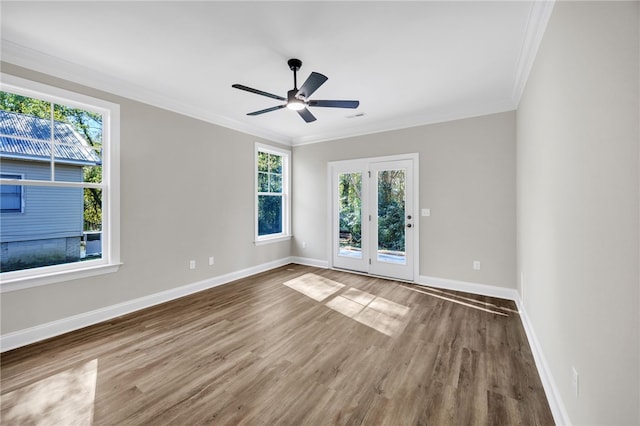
(350, 188)
(391, 210)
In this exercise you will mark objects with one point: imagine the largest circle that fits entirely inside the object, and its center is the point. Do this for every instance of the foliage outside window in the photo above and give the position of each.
(350, 193)
(272, 187)
(63, 146)
(391, 210)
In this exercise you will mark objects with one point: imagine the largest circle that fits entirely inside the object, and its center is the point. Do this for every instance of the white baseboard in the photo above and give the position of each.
(558, 409)
(55, 328)
(556, 405)
(309, 262)
(469, 287)
(44, 331)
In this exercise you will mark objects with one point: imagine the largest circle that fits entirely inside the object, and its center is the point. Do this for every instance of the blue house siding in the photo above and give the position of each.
(48, 230)
(48, 212)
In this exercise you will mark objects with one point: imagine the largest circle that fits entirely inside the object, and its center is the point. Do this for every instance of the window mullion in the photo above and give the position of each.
(61, 184)
(52, 143)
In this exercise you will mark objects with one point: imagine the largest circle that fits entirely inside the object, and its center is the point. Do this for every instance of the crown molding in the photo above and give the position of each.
(536, 26)
(423, 118)
(35, 60)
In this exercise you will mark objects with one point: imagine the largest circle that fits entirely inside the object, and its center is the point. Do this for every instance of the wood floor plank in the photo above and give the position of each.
(255, 352)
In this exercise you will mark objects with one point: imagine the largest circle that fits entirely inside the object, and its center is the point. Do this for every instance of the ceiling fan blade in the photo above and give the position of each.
(262, 111)
(258, 92)
(306, 115)
(334, 104)
(311, 84)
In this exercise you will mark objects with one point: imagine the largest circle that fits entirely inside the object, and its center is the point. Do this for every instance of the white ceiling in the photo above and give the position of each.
(409, 63)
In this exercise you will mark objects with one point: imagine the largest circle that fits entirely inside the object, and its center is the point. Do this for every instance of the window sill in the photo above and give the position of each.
(272, 240)
(21, 283)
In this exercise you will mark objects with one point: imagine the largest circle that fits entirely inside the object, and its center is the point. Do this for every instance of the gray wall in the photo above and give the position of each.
(187, 193)
(578, 233)
(177, 204)
(467, 179)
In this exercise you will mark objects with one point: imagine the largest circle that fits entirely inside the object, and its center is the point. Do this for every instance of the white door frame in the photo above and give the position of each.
(334, 166)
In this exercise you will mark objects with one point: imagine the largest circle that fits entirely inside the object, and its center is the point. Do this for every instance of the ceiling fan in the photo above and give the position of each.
(298, 99)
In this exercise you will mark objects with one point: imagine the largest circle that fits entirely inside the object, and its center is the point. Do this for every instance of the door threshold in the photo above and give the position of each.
(367, 274)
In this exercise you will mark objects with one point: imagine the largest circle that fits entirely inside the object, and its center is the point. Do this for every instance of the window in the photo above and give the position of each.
(64, 148)
(10, 195)
(272, 194)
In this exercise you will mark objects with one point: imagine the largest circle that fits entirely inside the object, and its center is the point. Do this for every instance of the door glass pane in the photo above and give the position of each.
(391, 216)
(350, 211)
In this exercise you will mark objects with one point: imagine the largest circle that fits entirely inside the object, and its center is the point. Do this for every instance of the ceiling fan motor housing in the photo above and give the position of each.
(294, 64)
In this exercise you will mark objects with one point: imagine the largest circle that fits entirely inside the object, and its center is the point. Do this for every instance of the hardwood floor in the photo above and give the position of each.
(328, 347)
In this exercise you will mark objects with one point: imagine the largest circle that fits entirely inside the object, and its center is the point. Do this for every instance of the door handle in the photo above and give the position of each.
(408, 225)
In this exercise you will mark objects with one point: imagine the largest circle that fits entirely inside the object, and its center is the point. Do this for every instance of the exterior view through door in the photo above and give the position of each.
(373, 219)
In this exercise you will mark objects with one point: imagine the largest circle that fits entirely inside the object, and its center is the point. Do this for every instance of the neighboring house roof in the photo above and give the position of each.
(26, 137)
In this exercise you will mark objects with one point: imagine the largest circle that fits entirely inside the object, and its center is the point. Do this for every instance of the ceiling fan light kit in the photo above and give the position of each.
(293, 102)
(298, 99)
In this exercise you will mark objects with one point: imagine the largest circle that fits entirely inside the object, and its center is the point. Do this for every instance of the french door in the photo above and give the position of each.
(373, 218)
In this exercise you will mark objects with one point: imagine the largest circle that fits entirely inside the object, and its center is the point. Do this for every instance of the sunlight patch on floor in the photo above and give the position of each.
(65, 398)
(376, 312)
(449, 299)
(314, 286)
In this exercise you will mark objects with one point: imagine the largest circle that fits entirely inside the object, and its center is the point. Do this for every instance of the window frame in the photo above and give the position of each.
(286, 191)
(16, 176)
(110, 185)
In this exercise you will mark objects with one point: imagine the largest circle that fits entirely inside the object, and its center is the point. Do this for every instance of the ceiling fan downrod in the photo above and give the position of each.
(294, 65)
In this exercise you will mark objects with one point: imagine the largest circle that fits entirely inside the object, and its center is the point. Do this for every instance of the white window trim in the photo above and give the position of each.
(110, 261)
(286, 191)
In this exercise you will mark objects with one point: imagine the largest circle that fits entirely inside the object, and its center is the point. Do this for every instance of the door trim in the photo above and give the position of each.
(415, 158)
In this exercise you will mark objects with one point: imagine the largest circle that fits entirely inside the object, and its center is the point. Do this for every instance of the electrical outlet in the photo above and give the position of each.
(211, 260)
(304, 244)
(192, 264)
(476, 265)
(574, 381)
